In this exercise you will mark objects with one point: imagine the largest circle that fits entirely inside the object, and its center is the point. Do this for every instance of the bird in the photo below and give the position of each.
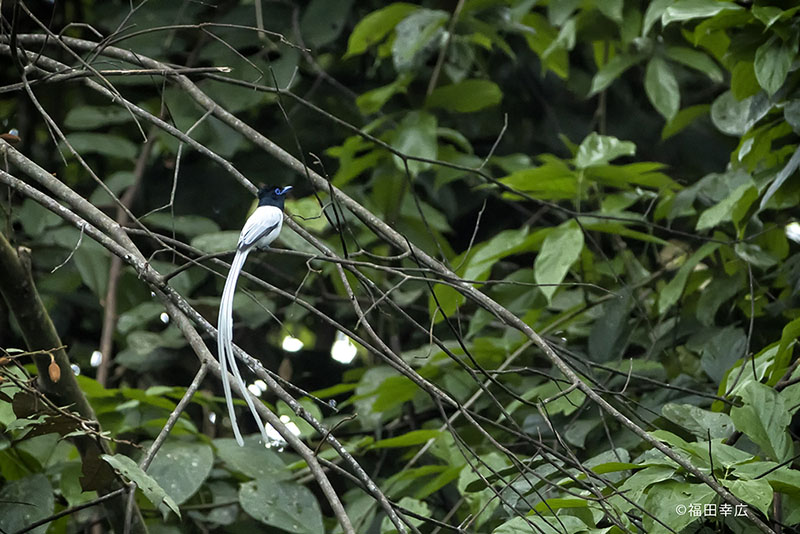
(259, 231)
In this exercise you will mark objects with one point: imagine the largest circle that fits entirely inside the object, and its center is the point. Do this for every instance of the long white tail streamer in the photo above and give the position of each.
(225, 347)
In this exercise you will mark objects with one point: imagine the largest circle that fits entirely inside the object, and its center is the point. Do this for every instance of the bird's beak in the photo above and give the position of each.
(286, 189)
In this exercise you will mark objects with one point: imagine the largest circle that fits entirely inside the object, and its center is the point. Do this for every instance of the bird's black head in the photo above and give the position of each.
(273, 195)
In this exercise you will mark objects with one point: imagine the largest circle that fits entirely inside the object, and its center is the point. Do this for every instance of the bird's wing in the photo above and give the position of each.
(264, 221)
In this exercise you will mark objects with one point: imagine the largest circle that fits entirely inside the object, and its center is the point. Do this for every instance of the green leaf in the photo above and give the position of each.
(731, 116)
(723, 210)
(789, 336)
(695, 9)
(374, 27)
(394, 391)
(611, 9)
(254, 460)
(755, 255)
(353, 160)
(791, 113)
(768, 15)
(662, 499)
(673, 290)
(599, 149)
(540, 39)
(138, 316)
(635, 485)
(561, 248)
(24, 501)
(757, 493)
(542, 525)
(744, 83)
(217, 241)
(565, 40)
(764, 419)
(661, 87)
(284, 505)
(374, 99)
(683, 119)
(552, 181)
(466, 96)
(154, 493)
(699, 421)
(188, 225)
(559, 12)
(414, 505)
(181, 468)
(613, 70)
(720, 348)
(92, 261)
(415, 437)
(772, 63)
(655, 9)
(415, 136)
(610, 332)
(35, 218)
(116, 183)
(109, 145)
(91, 117)
(415, 38)
(697, 60)
(324, 20)
(781, 177)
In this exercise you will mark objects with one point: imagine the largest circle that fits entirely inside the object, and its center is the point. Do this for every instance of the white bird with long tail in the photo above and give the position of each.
(260, 230)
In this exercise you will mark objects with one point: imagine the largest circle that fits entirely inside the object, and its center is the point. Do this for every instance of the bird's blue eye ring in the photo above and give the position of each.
(277, 190)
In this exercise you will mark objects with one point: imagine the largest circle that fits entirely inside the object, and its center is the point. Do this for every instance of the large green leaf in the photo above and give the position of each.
(465, 96)
(561, 248)
(781, 177)
(254, 460)
(663, 497)
(613, 70)
(25, 501)
(695, 9)
(756, 492)
(285, 505)
(374, 99)
(661, 87)
(764, 419)
(416, 506)
(415, 136)
(112, 146)
(723, 211)
(91, 117)
(673, 290)
(188, 225)
(735, 117)
(415, 437)
(415, 38)
(552, 180)
(772, 63)
(543, 524)
(374, 27)
(181, 468)
(151, 489)
(599, 149)
(695, 59)
(699, 421)
(324, 20)
(540, 39)
(683, 119)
